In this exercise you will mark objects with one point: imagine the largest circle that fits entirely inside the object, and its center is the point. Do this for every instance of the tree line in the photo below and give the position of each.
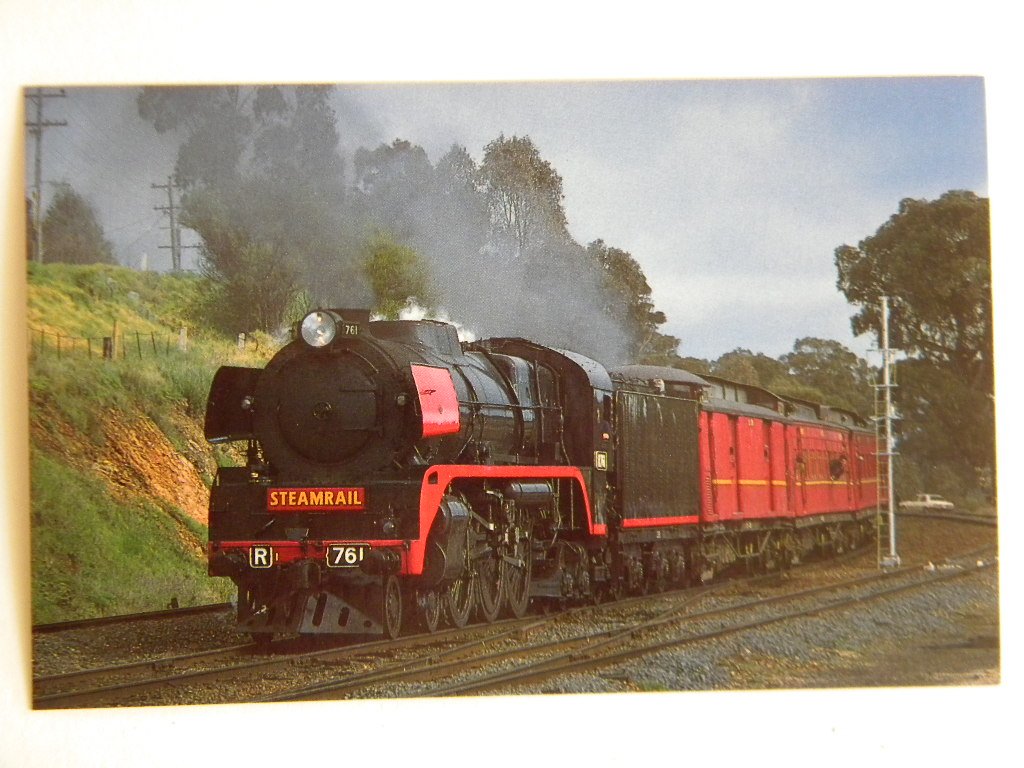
(286, 224)
(933, 260)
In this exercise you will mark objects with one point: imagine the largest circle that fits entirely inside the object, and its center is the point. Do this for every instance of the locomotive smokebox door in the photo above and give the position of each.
(230, 405)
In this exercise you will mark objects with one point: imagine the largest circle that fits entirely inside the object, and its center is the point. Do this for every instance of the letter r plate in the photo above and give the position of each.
(261, 556)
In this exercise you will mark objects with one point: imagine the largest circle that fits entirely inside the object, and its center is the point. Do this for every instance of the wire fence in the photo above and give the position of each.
(121, 344)
(126, 343)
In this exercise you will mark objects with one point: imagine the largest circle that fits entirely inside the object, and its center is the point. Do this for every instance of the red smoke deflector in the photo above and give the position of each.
(438, 402)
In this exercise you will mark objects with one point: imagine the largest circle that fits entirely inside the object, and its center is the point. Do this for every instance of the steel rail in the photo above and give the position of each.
(458, 661)
(50, 687)
(122, 688)
(455, 660)
(956, 517)
(127, 618)
(469, 638)
(609, 651)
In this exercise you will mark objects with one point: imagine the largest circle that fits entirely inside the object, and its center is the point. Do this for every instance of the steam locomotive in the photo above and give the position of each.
(396, 477)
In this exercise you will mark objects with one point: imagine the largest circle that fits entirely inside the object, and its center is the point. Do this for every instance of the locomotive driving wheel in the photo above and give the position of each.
(458, 600)
(490, 585)
(518, 568)
(485, 544)
(428, 609)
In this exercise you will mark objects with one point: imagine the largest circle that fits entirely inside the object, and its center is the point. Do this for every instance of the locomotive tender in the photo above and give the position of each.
(396, 476)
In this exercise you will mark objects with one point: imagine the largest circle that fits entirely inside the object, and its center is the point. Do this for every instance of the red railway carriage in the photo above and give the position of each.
(767, 469)
(769, 457)
(393, 472)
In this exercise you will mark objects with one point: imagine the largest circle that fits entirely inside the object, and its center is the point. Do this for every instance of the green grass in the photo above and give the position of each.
(161, 382)
(83, 391)
(93, 555)
(86, 301)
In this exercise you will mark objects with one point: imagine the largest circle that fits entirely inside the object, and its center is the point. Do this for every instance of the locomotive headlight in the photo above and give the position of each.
(319, 328)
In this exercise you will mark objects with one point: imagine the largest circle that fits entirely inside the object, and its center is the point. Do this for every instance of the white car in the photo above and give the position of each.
(926, 501)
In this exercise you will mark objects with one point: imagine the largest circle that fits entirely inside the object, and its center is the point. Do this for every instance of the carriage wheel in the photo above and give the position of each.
(660, 577)
(616, 587)
(392, 607)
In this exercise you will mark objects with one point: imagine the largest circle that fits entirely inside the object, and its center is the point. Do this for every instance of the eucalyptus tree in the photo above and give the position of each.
(264, 189)
(932, 259)
(72, 232)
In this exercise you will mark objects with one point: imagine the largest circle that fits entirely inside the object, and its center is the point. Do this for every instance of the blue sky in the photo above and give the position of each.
(731, 194)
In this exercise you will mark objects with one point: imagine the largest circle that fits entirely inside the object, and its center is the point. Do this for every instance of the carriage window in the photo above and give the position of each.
(837, 467)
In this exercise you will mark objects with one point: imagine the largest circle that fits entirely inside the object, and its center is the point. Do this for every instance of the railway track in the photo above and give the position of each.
(606, 649)
(129, 618)
(120, 684)
(957, 517)
(99, 685)
(479, 658)
(497, 669)
(136, 682)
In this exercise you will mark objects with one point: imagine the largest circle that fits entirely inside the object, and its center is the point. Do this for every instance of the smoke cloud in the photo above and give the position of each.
(308, 173)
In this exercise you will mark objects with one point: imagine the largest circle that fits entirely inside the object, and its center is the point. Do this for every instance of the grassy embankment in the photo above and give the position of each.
(118, 463)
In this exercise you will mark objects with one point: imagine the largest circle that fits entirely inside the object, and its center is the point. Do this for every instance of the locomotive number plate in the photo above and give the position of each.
(346, 555)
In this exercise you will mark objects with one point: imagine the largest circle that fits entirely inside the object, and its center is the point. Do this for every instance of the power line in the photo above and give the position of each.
(36, 128)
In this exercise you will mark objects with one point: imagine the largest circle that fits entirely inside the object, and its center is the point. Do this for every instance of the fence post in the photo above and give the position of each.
(108, 348)
(183, 339)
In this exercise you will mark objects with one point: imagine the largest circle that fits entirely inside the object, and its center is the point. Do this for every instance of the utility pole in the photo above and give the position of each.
(172, 212)
(36, 128)
(892, 560)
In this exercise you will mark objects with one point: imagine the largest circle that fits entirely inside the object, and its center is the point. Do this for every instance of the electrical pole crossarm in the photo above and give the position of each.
(172, 209)
(36, 128)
